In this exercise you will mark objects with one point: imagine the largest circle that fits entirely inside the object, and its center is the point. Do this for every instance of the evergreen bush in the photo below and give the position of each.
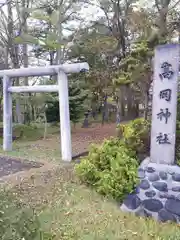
(110, 168)
(136, 135)
(76, 105)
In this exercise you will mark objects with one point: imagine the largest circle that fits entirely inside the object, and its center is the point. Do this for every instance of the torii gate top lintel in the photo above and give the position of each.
(45, 70)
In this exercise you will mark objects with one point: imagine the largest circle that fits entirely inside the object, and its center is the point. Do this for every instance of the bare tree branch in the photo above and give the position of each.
(174, 5)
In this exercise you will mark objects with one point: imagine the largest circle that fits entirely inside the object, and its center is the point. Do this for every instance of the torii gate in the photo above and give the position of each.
(61, 88)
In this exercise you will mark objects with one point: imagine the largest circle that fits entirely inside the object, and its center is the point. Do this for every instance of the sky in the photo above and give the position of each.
(3, 1)
(87, 13)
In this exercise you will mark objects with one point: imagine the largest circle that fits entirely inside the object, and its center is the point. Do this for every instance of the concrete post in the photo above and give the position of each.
(7, 115)
(65, 127)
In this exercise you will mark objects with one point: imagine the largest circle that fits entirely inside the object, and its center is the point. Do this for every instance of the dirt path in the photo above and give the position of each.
(81, 140)
(11, 166)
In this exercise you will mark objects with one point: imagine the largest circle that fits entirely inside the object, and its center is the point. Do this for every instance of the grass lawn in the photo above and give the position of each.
(33, 147)
(72, 211)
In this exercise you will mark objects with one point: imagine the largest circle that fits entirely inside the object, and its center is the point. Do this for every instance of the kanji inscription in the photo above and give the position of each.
(167, 71)
(165, 85)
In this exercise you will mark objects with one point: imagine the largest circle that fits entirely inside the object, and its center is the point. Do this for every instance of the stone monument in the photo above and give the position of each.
(158, 194)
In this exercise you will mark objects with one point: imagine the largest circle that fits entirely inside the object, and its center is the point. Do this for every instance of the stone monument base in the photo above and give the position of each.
(158, 193)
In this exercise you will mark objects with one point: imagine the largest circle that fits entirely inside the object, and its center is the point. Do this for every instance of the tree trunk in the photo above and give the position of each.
(119, 26)
(163, 11)
(118, 112)
(136, 110)
(13, 52)
(45, 126)
(35, 113)
(146, 107)
(25, 5)
(122, 102)
(129, 95)
(105, 110)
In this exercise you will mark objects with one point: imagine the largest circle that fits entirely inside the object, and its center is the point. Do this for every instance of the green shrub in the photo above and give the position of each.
(136, 135)
(87, 172)
(177, 153)
(111, 168)
(177, 146)
(18, 222)
(178, 108)
(122, 177)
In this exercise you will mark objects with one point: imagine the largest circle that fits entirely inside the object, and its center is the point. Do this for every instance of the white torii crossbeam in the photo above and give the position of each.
(62, 88)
